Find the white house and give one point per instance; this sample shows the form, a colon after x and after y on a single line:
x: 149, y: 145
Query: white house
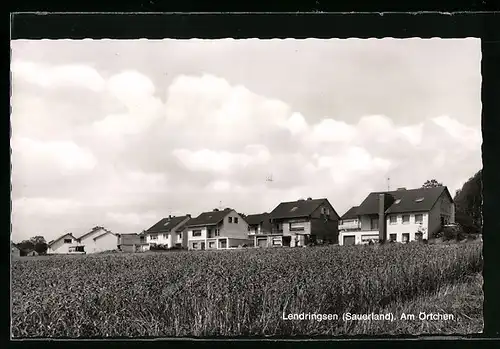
x: 217, y: 230
x: 99, y: 239
x: 168, y: 232
x: 62, y: 244
x: 400, y: 216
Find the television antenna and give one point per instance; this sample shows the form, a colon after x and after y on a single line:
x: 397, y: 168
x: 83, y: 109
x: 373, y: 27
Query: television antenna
x: 269, y: 178
x: 388, y: 183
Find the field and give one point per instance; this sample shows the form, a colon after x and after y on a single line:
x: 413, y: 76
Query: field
x: 247, y: 293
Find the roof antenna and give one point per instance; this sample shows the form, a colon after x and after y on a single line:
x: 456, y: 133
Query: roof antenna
x: 269, y: 178
x: 388, y: 183
x: 220, y: 205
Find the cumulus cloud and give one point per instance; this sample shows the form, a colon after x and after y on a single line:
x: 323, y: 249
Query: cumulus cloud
x: 155, y: 144
x: 66, y: 157
x: 76, y: 75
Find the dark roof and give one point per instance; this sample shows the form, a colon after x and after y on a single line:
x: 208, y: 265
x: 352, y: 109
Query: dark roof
x: 401, y: 201
x: 299, y: 208
x: 167, y: 224
x: 351, y: 213
x: 208, y: 218
x: 254, y: 219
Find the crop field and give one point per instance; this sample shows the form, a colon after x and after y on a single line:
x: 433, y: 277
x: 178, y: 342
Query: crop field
x: 247, y: 293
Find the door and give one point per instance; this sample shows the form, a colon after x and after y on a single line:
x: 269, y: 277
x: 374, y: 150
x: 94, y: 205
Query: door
x: 349, y: 240
x: 223, y: 243
x: 203, y: 245
x: 287, y: 240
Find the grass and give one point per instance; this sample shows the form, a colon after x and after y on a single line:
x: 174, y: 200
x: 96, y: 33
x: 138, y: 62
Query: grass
x: 243, y: 293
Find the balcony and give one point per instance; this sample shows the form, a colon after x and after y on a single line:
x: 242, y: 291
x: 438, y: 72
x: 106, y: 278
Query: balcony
x: 277, y: 231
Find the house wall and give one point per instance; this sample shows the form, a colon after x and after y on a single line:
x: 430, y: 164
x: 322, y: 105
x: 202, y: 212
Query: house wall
x: 328, y: 230
x: 197, y: 238
x: 366, y: 223
x: 166, y: 238
x: 15, y: 251
x: 59, y: 247
x: 410, y: 228
x: 288, y: 232
x: 443, y: 206
x: 349, y: 224
x: 359, y: 236
x: 234, y: 230
x: 107, y: 242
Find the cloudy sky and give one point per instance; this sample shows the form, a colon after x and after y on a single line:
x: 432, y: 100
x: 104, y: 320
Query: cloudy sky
x: 123, y: 133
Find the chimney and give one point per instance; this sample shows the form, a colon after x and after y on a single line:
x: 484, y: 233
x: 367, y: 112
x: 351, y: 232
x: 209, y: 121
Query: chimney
x: 216, y: 210
x: 188, y: 215
x: 382, y: 224
x: 402, y: 188
x: 169, y: 216
x: 309, y: 198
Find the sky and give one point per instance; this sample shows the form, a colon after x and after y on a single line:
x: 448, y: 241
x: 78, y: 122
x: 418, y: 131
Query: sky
x: 121, y: 133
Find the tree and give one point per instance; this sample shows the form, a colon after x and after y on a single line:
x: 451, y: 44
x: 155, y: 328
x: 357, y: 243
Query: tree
x: 469, y: 203
x: 36, y: 243
x: 39, y: 244
x: 431, y: 184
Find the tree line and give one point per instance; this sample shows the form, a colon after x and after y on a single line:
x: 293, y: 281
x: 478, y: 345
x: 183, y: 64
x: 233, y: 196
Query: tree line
x: 468, y: 203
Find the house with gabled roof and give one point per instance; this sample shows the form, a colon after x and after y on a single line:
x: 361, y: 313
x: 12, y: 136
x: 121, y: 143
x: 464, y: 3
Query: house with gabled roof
x: 217, y: 229
x: 168, y: 232
x: 132, y: 242
x: 98, y: 239
x: 259, y: 227
x: 350, y: 220
x: 298, y: 223
x: 402, y: 215
x: 62, y: 244
x: 14, y: 250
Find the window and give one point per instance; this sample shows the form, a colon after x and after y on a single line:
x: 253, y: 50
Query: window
x: 393, y: 237
x: 297, y: 226
x: 276, y: 242
x: 393, y: 219
x: 153, y: 237
x: 419, y: 218
x: 179, y: 236
x: 211, y: 244
x: 406, y: 237
x: 230, y: 219
x: 406, y: 218
x: 197, y: 232
x: 165, y: 236
x: 418, y: 236
x: 68, y: 241
x: 374, y: 223
x: 236, y: 220
x: 195, y: 245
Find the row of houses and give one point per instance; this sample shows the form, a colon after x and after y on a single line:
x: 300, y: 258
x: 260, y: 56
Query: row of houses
x: 400, y: 216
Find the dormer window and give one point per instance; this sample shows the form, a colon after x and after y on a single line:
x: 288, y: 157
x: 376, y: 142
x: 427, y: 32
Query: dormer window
x: 419, y: 200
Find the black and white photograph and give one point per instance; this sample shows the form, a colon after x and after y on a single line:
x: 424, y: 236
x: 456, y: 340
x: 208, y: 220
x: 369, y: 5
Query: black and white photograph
x: 246, y: 188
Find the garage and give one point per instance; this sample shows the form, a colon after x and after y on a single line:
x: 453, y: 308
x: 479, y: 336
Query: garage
x: 349, y: 240
x: 262, y: 242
